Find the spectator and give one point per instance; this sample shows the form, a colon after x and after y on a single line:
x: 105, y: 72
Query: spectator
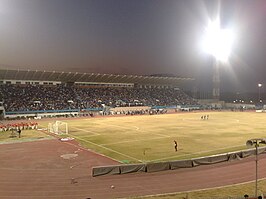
x: 41, y: 97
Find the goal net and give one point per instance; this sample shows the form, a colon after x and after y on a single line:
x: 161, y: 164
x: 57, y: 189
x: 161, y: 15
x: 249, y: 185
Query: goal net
x: 58, y: 127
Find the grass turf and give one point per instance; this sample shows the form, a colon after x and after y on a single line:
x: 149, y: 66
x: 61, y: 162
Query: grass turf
x: 147, y: 138
x: 26, y: 135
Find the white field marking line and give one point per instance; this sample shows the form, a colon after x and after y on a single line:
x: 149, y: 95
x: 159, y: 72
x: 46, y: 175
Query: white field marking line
x: 137, y: 128
x: 129, y: 141
x: 197, y: 190
x: 89, y: 136
x: 162, y: 135
x: 194, y: 153
x: 108, y: 149
x: 119, y: 126
x: 88, y: 131
x: 86, y: 149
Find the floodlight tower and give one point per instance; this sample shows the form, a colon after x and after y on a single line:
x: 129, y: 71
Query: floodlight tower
x: 217, y: 42
x: 259, y: 86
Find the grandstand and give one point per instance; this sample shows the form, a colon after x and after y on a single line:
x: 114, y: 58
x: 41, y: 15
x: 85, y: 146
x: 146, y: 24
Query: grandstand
x: 39, y: 92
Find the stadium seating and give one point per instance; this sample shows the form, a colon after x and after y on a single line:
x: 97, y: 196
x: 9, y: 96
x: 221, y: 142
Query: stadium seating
x: 40, y: 97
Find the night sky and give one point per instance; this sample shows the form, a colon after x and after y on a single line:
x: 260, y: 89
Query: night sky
x: 140, y: 37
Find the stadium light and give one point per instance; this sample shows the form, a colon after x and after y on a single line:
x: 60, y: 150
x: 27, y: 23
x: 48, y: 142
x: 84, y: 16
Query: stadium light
x: 259, y: 86
x: 256, y: 143
x: 218, y: 43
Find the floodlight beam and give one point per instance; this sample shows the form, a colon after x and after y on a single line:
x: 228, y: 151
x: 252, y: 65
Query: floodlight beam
x: 218, y: 42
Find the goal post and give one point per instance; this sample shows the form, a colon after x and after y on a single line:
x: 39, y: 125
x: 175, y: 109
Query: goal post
x: 58, y: 127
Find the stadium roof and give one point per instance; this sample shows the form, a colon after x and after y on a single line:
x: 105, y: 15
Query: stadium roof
x: 30, y: 75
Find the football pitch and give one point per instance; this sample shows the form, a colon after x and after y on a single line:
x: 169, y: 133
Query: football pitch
x: 150, y: 138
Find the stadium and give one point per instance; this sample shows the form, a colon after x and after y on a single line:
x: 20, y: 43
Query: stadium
x: 122, y: 99
x: 112, y: 136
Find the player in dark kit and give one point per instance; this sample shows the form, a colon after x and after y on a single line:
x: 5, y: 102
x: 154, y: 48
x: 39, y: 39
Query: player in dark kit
x: 176, y: 145
x: 19, y: 132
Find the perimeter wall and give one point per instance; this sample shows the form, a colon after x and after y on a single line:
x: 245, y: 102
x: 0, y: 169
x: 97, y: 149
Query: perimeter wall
x: 171, y: 165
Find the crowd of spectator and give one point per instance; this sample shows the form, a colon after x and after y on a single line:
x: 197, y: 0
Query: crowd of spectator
x: 61, y: 97
x: 18, y: 126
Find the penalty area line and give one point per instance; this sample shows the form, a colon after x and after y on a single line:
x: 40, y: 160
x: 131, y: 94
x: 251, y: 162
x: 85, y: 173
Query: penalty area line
x: 88, y: 131
x: 121, y: 127
x: 137, y: 128
x: 108, y: 149
x: 129, y: 141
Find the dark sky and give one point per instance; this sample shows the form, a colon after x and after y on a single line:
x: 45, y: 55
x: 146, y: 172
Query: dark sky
x: 140, y: 37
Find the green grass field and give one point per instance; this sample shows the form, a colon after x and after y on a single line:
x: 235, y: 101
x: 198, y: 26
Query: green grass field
x: 147, y: 138
x: 26, y: 135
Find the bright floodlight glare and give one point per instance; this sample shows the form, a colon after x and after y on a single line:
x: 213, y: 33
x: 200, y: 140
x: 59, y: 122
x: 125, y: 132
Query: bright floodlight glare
x: 259, y: 85
x: 218, y: 42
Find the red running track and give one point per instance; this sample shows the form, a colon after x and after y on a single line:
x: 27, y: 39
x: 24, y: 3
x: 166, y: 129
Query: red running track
x: 36, y: 170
